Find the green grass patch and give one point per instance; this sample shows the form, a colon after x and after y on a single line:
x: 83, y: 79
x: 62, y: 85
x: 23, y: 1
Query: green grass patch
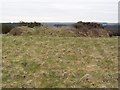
x: 49, y: 62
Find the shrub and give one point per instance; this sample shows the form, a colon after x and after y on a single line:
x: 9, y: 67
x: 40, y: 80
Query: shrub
x: 30, y: 24
x: 90, y: 29
x: 88, y: 25
x: 6, y: 27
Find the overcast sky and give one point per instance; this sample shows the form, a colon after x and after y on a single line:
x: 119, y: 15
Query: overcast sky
x: 59, y: 10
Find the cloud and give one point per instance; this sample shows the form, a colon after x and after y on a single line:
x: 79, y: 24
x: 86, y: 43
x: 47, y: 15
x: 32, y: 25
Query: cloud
x: 61, y: 10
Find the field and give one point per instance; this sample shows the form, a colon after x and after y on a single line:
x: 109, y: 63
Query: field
x: 33, y: 61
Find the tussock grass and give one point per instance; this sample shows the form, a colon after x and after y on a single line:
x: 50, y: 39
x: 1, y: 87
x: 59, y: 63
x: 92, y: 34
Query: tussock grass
x: 43, y: 31
x: 64, y: 62
x: 64, y: 31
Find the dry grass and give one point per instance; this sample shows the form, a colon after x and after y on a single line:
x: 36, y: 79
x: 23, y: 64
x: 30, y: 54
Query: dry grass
x: 63, y: 31
x: 0, y: 61
x: 43, y: 31
x: 49, y: 62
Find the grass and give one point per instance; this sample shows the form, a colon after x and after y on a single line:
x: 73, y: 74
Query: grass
x: 0, y: 61
x: 59, y: 62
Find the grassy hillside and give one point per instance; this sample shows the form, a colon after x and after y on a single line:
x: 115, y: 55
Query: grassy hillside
x: 35, y: 61
x: 0, y: 60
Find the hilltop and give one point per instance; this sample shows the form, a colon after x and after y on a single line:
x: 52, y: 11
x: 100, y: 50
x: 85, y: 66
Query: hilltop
x: 82, y: 55
x: 74, y: 30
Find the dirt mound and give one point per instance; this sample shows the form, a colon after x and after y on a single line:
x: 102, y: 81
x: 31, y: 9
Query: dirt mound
x: 90, y: 29
x: 20, y: 30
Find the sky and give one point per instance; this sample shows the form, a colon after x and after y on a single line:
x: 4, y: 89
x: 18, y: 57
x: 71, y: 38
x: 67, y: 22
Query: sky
x: 59, y: 10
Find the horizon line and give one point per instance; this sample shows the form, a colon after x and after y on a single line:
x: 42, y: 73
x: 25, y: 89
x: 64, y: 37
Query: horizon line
x: 56, y: 21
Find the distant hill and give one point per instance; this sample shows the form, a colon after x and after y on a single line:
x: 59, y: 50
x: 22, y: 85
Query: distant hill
x: 57, y: 23
x: 113, y: 27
